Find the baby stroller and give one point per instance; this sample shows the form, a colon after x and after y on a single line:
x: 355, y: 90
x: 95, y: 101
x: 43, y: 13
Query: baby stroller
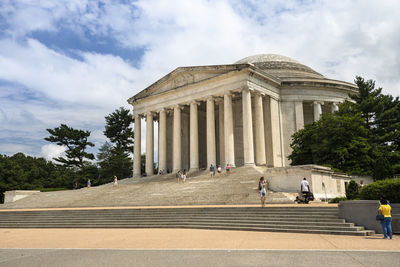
x: 304, y: 198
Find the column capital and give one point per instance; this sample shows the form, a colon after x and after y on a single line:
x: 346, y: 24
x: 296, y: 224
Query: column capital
x: 219, y: 100
x: 230, y: 93
x: 209, y: 98
x: 194, y: 102
x: 318, y: 102
x: 258, y: 93
x: 178, y: 106
x: 242, y: 89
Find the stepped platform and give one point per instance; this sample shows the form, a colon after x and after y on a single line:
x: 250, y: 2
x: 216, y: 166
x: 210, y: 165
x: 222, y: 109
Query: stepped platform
x: 225, y: 202
x: 295, y: 219
x: 239, y: 187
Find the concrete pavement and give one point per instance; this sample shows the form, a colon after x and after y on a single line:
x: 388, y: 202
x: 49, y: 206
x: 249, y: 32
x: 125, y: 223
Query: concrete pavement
x: 191, y: 247
x: 88, y: 258
x: 186, y: 239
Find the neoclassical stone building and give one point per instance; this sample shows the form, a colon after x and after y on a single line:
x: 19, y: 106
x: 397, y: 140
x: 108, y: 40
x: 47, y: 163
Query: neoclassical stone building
x: 241, y: 114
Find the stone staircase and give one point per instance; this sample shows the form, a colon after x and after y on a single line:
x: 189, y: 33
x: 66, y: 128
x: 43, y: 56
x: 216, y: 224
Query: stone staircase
x: 301, y: 219
x: 239, y: 187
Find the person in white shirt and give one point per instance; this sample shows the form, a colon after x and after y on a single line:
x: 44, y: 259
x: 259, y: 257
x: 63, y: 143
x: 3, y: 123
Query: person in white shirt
x: 263, y: 192
x: 305, y: 187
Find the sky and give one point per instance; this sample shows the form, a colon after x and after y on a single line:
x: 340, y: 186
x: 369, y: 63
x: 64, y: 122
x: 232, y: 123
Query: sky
x: 76, y: 61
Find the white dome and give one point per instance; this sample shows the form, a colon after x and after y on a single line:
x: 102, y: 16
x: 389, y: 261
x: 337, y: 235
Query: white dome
x: 280, y: 66
x: 266, y: 58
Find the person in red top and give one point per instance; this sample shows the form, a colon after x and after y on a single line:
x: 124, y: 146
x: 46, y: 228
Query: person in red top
x: 227, y: 168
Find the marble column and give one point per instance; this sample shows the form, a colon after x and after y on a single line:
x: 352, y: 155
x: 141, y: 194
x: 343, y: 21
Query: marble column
x: 334, y: 107
x: 299, y: 115
x: 194, y: 137
x: 149, y: 144
x: 137, y: 147
x: 259, y: 129
x: 221, y: 133
x: 248, y: 148
x: 162, y: 141
x: 317, y: 110
x: 176, y: 141
x: 228, y: 132
x: 211, y: 153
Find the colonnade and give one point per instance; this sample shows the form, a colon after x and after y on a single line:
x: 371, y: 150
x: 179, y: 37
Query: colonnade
x: 226, y: 134
x: 254, y: 144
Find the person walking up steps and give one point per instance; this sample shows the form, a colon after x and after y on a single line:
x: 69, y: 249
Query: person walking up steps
x: 178, y: 175
x: 115, y: 181
x: 212, y: 170
x: 184, y: 175
x: 227, y: 168
x: 263, y: 191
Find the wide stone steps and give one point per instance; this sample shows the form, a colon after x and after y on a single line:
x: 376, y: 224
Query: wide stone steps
x: 273, y: 219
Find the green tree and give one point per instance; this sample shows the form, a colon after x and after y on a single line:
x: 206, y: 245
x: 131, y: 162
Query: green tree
x: 115, y: 158
x: 382, y: 169
x: 20, y: 172
x: 381, y: 114
x: 118, y: 129
x: 76, y: 142
x: 352, y: 190
x: 368, y: 100
x: 113, y: 161
x: 337, y: 141
x: 363, y: 136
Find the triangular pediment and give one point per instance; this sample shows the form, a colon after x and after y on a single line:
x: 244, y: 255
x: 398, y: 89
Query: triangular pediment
x: 184, y: 76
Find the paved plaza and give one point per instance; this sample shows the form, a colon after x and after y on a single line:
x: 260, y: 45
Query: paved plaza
x: 190, y: 247
x: 180, y: 247
x: 86, y: 258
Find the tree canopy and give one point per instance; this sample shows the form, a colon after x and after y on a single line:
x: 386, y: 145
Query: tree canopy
x: 118, y: 129
x: 337, y: 141
x: 115, y: 158
x: 25, y: 172
x: 363, y: 137
x: 76, y: 142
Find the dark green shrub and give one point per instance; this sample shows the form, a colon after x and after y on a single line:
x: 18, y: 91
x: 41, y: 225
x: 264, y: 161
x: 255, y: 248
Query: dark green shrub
x: 352, y: 190
x: 337, y: 199
x: 382, y: 169
x: 388, y: 188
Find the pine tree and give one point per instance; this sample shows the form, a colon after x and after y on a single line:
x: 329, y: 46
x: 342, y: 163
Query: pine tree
x: 75, y: 141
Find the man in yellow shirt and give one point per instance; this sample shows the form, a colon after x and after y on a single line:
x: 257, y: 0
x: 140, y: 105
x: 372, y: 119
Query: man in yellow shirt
x: 386, y: 210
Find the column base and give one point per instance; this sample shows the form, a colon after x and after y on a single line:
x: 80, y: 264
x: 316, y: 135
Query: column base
x: 249, y: 164
x: 193, y: 169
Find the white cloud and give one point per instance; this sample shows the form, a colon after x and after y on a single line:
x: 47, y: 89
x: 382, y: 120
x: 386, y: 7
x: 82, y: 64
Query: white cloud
x: 340, y: 39
x: 98, y: 80
x: 51, y: 151
x: 12, y: 148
